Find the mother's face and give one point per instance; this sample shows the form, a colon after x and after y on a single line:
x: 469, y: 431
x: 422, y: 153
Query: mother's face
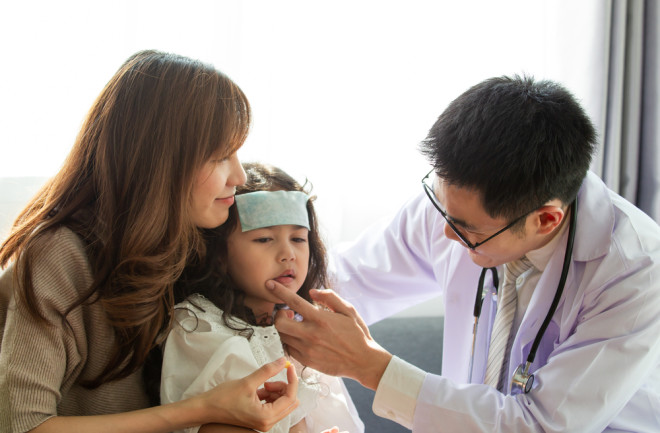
x: 214, y: 189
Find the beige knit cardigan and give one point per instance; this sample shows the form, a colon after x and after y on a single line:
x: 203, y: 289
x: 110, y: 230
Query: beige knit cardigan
x: 41, y: 365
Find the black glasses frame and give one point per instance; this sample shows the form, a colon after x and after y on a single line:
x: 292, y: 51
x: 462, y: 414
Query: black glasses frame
x: 470, y: 245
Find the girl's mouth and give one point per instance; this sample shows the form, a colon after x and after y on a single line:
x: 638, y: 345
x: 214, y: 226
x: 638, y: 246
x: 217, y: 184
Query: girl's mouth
x: 286, y: 278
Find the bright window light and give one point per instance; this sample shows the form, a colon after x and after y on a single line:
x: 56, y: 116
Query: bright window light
x: 342, y: 91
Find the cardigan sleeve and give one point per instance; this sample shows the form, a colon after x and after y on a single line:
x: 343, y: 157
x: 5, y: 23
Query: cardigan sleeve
x: 38, y: 360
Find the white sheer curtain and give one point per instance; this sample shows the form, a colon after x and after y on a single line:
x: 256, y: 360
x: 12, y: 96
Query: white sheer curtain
x: 342, y: 91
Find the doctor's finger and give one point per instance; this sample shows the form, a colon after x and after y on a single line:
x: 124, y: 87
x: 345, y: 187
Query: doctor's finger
x: 294, y: 333
x: 284, y: 313
x: 295, y: 302
x: 333, y: 301
x: 296, y: 354
x: 336, y: 303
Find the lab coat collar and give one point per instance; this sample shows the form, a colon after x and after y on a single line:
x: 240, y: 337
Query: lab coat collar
x: 595, y: 221
x: 595, y: 214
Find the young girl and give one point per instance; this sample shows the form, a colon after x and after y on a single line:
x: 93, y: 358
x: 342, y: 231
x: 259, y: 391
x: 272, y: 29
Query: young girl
x: 92, y: 260
x: 224, y: 327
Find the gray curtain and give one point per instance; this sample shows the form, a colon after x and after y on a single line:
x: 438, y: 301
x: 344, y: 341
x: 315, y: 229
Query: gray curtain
x: 629, y: 161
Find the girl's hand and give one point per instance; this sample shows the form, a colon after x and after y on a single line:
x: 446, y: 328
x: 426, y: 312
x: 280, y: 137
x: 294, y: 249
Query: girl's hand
x: 245, y: 403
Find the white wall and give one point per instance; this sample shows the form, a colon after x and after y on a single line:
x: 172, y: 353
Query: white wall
x: 14, y: 193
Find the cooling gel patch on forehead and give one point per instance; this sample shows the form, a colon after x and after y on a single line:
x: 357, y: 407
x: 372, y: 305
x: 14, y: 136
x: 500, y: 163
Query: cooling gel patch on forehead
x: 272, y: 208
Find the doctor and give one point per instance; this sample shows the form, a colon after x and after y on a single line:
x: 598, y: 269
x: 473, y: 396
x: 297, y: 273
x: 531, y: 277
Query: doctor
x: 509, y: 187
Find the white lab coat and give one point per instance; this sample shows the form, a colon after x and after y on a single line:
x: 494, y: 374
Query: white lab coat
x: 598, y: 366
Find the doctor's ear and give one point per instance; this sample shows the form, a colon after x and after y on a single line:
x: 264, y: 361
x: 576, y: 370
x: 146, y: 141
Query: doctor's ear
x: 549, y: 217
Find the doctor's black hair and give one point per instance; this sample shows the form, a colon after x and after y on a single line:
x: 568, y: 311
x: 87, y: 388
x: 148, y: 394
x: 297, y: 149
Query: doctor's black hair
x: 517, y: 141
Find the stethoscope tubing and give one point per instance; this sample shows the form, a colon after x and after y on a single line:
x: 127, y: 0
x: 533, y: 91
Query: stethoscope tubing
x: 551, y: 311
x: 478, y: 303
x: 560, y: 287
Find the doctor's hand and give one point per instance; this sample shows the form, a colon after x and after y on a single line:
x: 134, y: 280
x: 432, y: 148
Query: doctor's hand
x: 335, y: 341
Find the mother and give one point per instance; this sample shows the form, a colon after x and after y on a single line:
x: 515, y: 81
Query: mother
x: 91, y: 261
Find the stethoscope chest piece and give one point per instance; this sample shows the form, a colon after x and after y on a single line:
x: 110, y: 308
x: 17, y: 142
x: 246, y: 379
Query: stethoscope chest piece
x: 522, y: 381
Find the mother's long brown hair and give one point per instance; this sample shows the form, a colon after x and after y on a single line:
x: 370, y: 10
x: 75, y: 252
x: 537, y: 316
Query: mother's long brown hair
x: 125, y: 189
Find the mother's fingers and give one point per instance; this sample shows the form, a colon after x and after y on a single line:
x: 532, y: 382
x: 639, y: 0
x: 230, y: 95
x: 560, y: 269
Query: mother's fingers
x: 273, y: 390
x: 265, y: 372
x: 287, y: 400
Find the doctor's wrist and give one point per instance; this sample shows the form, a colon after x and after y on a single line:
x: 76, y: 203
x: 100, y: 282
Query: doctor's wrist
x: 374, y: 364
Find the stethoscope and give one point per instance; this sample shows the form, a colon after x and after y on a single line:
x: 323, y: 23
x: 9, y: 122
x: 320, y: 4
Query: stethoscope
x: 522, y: 380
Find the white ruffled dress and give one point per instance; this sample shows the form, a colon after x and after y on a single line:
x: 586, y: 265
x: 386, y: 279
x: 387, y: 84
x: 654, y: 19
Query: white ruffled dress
x: 201, y: 352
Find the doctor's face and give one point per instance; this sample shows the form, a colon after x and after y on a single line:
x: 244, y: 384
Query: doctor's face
x: 492, y: 242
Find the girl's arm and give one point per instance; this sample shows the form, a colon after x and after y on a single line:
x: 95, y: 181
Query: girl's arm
x: 237, y: 402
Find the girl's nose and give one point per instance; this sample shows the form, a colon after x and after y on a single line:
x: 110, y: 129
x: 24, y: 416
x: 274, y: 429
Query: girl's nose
x: 286, y: 253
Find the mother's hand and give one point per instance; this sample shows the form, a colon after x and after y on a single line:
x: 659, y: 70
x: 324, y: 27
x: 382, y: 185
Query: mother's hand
x: 243, y: 402
x: 335, y: 341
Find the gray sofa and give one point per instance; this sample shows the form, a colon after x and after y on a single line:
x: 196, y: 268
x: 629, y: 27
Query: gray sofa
x: 417, y: 340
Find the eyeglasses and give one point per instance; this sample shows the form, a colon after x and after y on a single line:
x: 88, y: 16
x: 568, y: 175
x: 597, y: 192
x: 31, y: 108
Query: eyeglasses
x: 429, y: 192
